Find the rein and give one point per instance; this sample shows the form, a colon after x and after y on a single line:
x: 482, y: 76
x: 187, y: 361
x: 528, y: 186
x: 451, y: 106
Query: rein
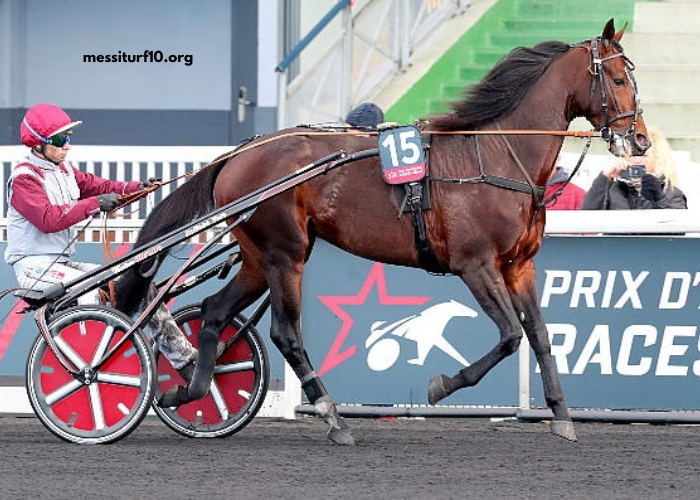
x: 352, y: 132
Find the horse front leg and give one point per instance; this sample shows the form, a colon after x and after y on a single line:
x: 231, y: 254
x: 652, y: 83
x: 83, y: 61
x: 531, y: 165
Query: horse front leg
x: 488, y: 287
x: 285, y: 331
x: 525, y: 299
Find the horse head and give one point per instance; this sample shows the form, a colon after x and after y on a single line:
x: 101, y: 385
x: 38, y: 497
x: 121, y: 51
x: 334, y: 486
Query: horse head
x: 611, y: 103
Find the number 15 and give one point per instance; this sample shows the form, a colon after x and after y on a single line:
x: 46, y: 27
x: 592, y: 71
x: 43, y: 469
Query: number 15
x: 409, y: 149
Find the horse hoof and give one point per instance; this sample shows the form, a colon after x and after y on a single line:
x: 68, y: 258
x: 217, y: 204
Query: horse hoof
x: 175, y: 396
x: 564, y: 428
x: 437, y: 389
x: 342, y: 437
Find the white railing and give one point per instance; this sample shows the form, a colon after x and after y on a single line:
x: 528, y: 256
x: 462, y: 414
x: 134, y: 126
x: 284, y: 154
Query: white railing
x: 122, y: 163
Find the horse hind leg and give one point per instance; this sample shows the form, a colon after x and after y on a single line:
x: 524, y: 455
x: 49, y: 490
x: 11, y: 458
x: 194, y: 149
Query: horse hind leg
x: 218, y: 310
x: 487, y: 286
x: 525, y: 300
x: 285, y: 331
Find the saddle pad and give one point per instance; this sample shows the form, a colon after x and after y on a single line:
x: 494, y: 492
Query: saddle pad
x: 401, y: 154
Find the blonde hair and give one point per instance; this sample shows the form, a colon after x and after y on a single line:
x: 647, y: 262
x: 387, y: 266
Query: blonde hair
x: 661, y: 158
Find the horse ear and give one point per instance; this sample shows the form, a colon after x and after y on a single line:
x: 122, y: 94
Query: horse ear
x: 618, y: 35
x: 608, y: 32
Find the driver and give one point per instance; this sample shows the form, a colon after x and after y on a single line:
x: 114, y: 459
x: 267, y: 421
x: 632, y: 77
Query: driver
x: 47, y: 196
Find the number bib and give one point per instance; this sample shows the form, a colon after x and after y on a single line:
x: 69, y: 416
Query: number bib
x: 401, y: 154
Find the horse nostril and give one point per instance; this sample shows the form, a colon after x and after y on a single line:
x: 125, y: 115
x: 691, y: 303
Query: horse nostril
x: 642, y: 141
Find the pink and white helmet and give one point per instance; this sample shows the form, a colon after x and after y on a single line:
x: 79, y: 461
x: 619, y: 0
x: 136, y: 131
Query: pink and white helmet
x: 43, y: 121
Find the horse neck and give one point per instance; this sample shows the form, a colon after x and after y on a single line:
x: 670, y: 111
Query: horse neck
x: 547, y: 107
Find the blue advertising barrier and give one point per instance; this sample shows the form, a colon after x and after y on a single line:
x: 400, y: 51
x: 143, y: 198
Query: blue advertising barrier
x: 622, y: 314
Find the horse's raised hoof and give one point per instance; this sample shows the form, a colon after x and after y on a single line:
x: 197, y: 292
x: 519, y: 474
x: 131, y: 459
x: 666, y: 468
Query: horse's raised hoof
x: 437, y: 389
x: 342, y: 437
x: 174, y: 397
x: 564, y: 428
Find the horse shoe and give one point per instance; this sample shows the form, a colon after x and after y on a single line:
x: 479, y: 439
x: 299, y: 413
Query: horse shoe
x: 437, y: 389
x: 564, y: 429
x: 338, y: 430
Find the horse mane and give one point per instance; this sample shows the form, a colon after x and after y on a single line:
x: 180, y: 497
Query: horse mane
x: 502, y: 89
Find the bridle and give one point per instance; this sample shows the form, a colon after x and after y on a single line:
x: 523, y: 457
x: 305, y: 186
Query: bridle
x: 599, y: 77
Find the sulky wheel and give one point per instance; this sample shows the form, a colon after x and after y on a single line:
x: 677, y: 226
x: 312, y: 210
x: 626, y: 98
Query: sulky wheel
x: 238, y: 390
x: 105, y: 404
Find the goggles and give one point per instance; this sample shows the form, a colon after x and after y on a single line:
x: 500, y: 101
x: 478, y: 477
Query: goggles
x: 58, y: 140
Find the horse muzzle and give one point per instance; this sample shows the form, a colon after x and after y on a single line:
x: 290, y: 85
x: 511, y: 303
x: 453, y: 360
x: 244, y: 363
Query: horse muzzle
x: 629, y: 143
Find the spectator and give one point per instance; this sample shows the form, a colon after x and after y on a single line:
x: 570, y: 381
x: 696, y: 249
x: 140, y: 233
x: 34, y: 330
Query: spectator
x: 570, y: 198
x: 655, y: 188
x: 366, y: 115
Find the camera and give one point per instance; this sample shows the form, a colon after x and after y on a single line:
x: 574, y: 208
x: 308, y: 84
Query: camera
x: 633, y: 172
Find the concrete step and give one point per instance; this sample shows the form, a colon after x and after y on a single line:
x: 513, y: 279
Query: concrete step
x: 486, y: 57
x: 558, y: 9
x: 676, y: 120
x: 667, y: 17
x: 472, y: 73
x: 668, y: 84
x: 654, y: 48
x: 508, y: 41
x: 578, y: 26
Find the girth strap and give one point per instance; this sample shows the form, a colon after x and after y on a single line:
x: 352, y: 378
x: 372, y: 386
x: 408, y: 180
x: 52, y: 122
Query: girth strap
x: 417, y: 199
x: 426, y: 256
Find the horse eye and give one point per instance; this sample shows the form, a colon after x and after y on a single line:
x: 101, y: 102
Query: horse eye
x: 619, y: 81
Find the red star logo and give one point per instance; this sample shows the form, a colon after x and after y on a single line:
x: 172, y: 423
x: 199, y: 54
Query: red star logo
x: 336, y: 354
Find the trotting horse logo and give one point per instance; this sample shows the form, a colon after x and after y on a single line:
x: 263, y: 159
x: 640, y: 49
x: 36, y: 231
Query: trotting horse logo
x: 385, y: 340
x: 425, y: 329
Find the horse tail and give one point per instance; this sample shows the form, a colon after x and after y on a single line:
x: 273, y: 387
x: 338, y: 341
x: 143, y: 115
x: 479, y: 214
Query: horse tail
x: 193, y: 199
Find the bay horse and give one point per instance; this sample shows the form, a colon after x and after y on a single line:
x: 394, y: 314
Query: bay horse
x: 485, y: 232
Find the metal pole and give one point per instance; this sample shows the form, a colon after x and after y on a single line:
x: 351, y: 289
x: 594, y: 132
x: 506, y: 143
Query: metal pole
x: 346, y: 80
x: 281, y: 99
x: 524, y: 374
x: 405, y: 17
